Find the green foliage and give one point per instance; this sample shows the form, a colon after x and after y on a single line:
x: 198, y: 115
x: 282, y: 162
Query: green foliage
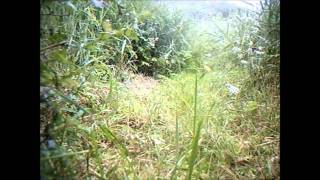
x: 196, y: 132
x: 268, y: 74
x: 194, y: 151
x: 94, y: 123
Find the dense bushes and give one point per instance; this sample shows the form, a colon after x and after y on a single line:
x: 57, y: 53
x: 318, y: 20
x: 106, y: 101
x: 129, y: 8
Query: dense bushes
x: 84, y: 43
x: 133, y: 35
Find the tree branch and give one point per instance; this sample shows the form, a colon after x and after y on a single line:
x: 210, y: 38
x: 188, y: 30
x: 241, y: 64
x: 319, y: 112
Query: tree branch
x: 53, y: 45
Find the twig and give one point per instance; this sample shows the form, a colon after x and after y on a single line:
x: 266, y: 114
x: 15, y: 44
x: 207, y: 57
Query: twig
x: 49, y: 14
x: 53, y: 45
x: 270, y: 142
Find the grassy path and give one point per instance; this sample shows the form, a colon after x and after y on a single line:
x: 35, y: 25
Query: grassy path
x: 144, y: 128
x: 186, y: 126
x: 152, y: 121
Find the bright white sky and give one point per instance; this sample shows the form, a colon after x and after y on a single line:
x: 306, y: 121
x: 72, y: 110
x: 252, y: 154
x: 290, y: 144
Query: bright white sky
x: 247, y: 4
x: 203, y: 5
x: 202, y: 8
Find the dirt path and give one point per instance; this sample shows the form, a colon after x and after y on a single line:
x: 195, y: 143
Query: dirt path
x: 141, y: 85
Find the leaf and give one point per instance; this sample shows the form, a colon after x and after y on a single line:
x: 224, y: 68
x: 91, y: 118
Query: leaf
x: 87, y: 61
x: 123, y: 46
x: 47, y: 77
x: 194, y: 152
x: 92, y: 16
x: 145, y: 63
x: 107, y: 26
x: 45, y: 68
x: 72, y: 73
x: 55, y: 38
x: 69, y: 3
x: 207, y: 68
x: 120, y: 32
x: 57, y: 92
x: 110, y: 136
x: 103, y: 37
x: 252, y: 105
x: 60, y: 56
x: 91, y: 47
x: 145, y: 15
x: 167, y: 54
x: 69, y: 83
x: 131, y: 34
x: 79, y: 113
x: 187, y: 54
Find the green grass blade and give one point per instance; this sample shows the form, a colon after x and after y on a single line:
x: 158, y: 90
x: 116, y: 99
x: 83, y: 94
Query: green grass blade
x: 195, y: 104
x: 109, y: 135
x: 194, y: 151
x: 196, y: 133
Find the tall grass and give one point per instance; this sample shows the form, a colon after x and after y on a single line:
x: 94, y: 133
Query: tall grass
x: 195, y: 104
x: 196, y: 132
x: 94, y: 125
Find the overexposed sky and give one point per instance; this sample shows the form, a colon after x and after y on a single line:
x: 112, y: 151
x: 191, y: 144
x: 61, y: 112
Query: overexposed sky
x: 211, y: 4
x: 246, y: 4
x: 202, y: 10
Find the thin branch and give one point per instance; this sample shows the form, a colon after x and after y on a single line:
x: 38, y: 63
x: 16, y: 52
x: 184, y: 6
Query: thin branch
x: 266, y: 143
x: 54, y: 45
x: 49, y: 14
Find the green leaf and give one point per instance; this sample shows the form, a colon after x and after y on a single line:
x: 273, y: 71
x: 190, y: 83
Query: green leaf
x: 47, y: 77
x: 69, y: 83
x: 194, y: 152
x: 91, y: 47
x: 79, y: 113
x: 119, y: 33
x: 252, y: 105
x: 207, y: 68
x: 107, y: 26
x: 87, y: 61
x: 45, y: 68
x: 67, y: 99
x: 145, y: 15
x: 103, y: 36
x: 110, y: 136
x: 123, y: 46
x: 145, y: 63
x: 60, y: 56
x: 73, y: 72
x: 57, y: 38
x: 131, y: 34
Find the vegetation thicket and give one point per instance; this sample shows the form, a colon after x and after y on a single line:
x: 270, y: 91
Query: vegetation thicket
x: 134, y: 90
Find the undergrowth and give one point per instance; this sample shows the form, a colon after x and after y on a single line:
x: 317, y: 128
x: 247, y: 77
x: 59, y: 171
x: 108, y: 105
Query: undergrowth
x: 129, y: 93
